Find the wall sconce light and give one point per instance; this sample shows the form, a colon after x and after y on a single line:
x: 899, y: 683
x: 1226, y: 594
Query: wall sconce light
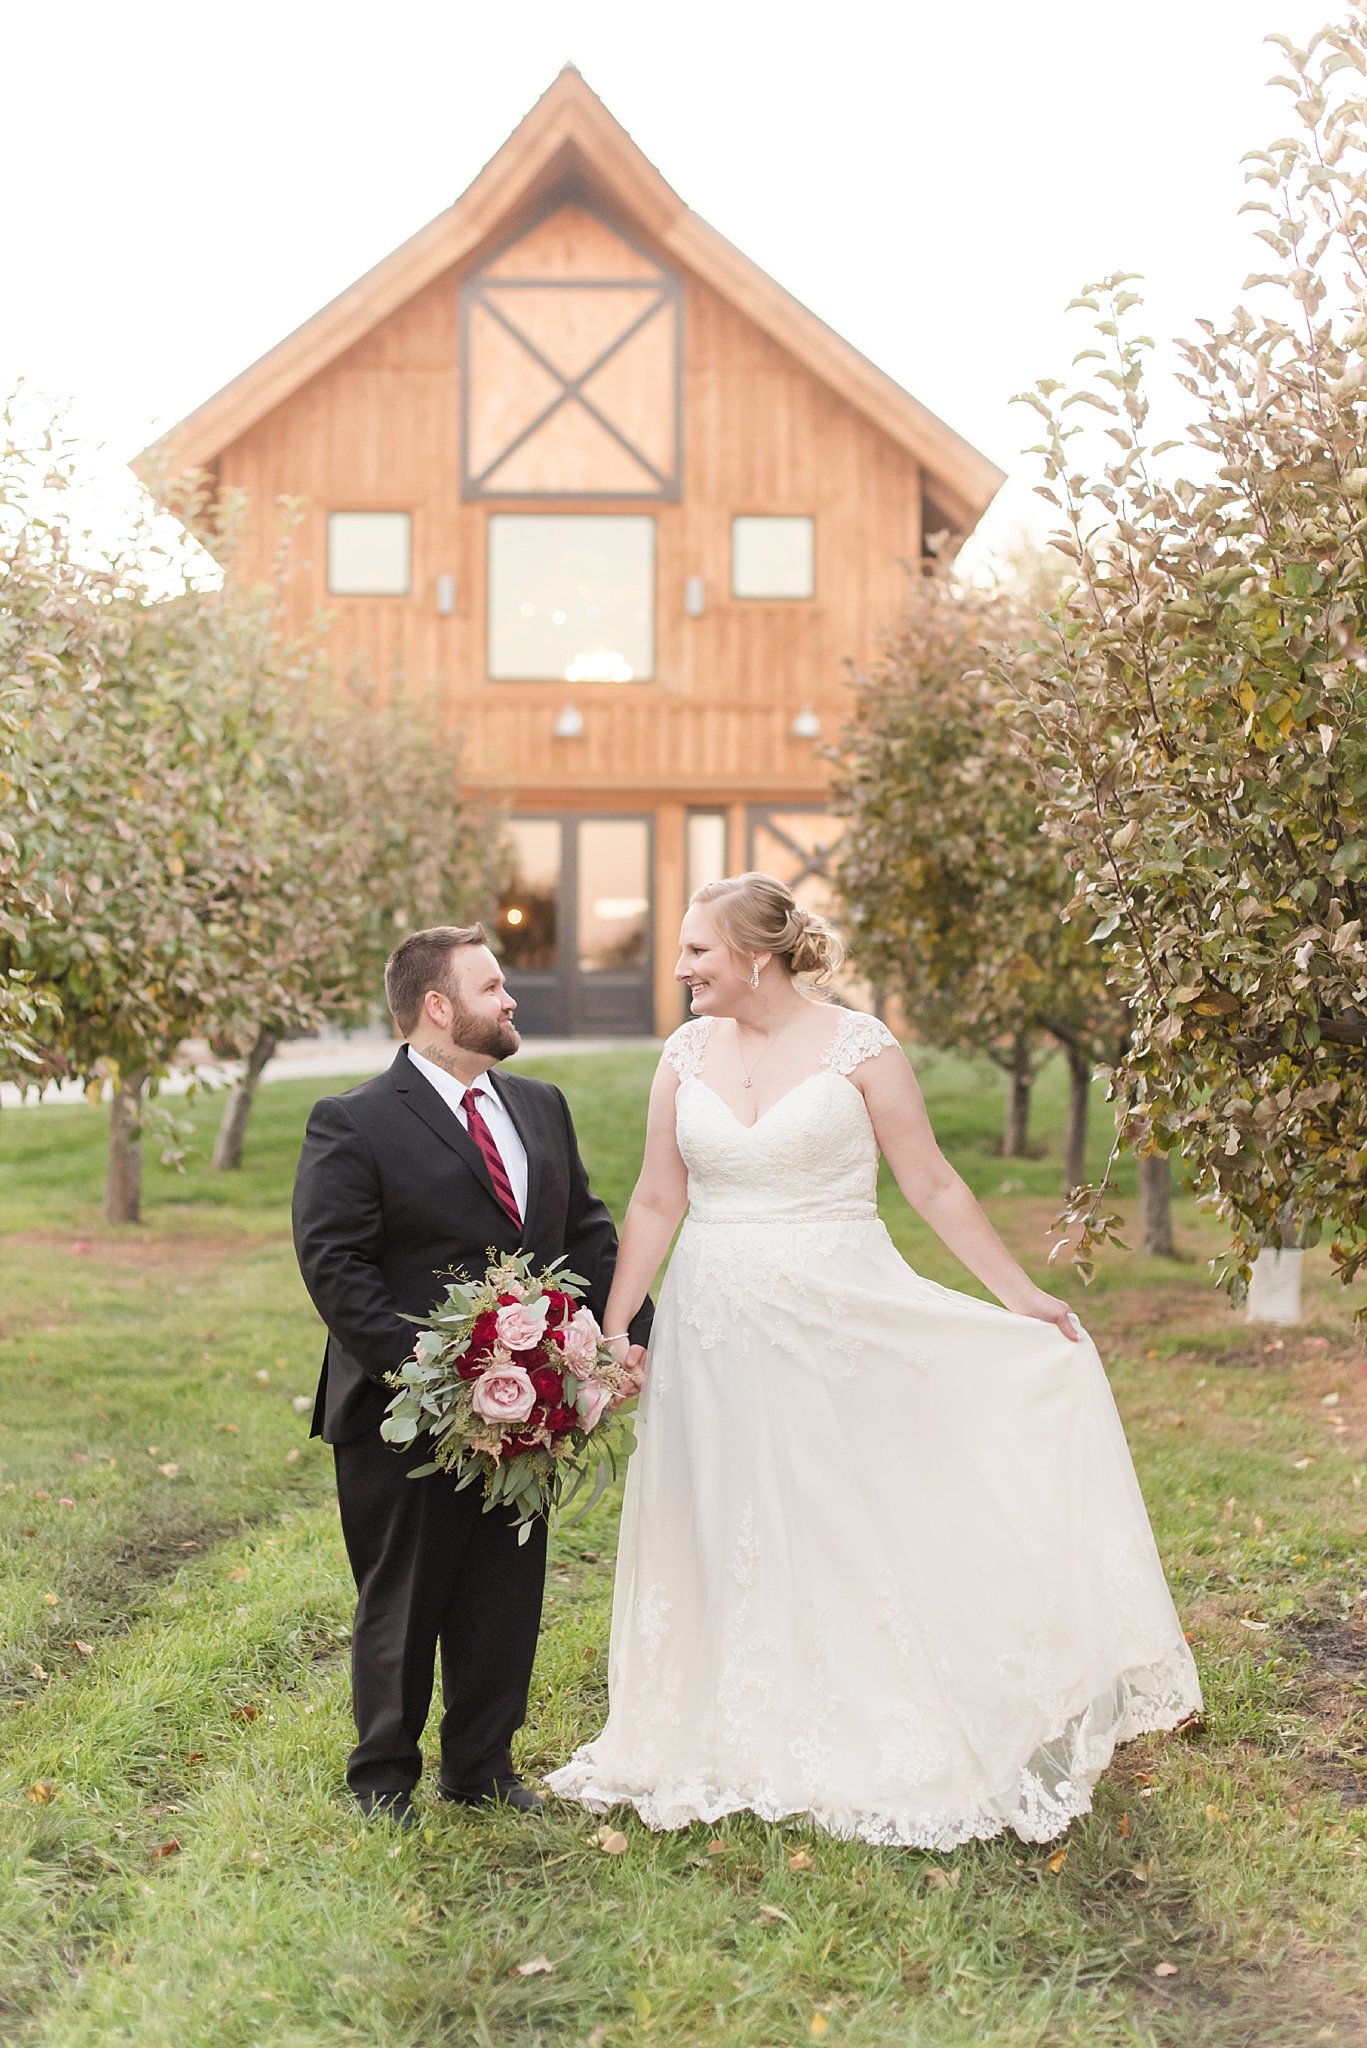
x: 446, y: 595
x: 695, y: 596
x: 806, y: 726
x: 570, y: 724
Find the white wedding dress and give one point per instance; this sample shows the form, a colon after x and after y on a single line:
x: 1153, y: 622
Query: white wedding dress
x: 884, y: 1561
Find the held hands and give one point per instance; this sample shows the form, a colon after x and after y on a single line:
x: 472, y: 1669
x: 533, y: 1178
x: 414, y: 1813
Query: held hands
x: 635, y: 1359
x: 1047, y: 1308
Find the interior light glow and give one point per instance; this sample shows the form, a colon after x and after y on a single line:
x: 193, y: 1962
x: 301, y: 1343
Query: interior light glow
x: 602, y: 665
x: 513, y: 916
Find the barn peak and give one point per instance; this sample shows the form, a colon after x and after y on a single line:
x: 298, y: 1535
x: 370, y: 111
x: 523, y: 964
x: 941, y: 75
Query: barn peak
x: 570, y: 142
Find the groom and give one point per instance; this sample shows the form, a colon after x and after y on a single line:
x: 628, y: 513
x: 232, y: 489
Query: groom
x: 421, y: 1170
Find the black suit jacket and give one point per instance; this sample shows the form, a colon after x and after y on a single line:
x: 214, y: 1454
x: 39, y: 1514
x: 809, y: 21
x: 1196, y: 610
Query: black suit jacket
x: 391, y: 1194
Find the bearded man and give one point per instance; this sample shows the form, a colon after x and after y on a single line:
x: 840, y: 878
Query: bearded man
x: 401, y: 1181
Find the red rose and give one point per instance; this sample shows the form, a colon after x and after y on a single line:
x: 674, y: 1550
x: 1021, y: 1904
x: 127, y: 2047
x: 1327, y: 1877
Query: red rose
x: 561, y: 1305
x: 560, y: 1421
x: 516, y: 1446
x: 548, y: 1383
x: 484, y: 1335
x: 508, y: 1300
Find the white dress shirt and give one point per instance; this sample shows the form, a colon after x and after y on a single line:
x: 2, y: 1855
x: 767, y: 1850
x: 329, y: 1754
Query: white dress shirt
x: 503, y: 1130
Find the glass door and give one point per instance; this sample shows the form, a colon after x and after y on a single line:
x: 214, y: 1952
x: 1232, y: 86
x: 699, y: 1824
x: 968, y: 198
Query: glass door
x: 612, y: 991
x: 528, y: 935
x: 575, y: 927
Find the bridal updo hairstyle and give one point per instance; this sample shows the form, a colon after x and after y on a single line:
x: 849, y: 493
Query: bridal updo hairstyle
x: 756, y: 913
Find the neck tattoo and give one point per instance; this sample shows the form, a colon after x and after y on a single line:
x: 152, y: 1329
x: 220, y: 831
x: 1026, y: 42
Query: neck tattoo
x: 440, y: 1056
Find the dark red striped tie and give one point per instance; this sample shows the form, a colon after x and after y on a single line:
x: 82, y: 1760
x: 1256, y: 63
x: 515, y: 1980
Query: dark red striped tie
x: 484, y: 1138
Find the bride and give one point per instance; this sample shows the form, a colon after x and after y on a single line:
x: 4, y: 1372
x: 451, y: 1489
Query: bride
x: 884, y: 1561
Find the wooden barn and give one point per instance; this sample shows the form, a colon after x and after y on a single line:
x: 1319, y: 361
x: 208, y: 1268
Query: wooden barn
x: 573, y: 460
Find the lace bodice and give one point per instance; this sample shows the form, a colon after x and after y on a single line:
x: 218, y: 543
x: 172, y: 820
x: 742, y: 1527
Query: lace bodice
x: 812, y: 1155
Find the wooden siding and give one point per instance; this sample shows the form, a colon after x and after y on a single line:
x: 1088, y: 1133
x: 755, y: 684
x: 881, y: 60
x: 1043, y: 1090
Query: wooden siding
x: 379, y: 429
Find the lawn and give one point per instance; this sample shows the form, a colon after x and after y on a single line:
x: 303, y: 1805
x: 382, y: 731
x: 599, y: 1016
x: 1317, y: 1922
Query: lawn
x: 182, y: 1868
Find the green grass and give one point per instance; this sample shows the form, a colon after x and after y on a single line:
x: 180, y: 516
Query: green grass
x: 174, y: 1609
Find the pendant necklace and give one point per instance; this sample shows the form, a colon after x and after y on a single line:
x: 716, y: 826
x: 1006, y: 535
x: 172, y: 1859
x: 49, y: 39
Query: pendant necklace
x: 750, y: 1072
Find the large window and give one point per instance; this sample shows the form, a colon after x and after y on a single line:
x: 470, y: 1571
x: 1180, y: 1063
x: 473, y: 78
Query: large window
x: 773, y: 557
x: 704, y: 849
x: 571, y: 598
x: 369, y: 554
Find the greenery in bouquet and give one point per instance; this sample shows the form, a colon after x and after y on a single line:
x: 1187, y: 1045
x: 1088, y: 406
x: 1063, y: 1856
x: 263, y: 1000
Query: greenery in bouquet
x: 514, y: 1383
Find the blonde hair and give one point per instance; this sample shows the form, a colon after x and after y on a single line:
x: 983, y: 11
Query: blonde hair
x: 756, y: 913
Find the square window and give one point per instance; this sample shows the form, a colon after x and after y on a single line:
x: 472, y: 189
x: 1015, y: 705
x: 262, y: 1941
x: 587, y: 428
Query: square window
x: 571, y: 597
x: 369, y: 554
x: 773, y: 557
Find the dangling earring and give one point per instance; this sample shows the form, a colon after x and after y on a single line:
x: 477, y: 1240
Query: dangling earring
x: 754, y: 974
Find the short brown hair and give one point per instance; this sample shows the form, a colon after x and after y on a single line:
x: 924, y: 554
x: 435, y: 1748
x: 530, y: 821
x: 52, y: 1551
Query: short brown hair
x: 421, y: 963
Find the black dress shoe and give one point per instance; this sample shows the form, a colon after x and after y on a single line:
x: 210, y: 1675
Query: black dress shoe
x: 396, y: 1807
x: 500, y: 1792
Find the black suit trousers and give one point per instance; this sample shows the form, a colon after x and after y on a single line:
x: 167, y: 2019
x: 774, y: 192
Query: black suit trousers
x: 433, y: 1571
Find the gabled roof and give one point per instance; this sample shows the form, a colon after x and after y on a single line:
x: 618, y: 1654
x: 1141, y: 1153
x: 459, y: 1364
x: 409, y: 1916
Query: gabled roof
x: 568, y: 133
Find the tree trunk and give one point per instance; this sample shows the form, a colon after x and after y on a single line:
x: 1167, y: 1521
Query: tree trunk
x: 232, y: 1131
x: 123, y: 1182
x: 1155, y: 1205
x: 1075, y: 1141
x: 1019, y: 1075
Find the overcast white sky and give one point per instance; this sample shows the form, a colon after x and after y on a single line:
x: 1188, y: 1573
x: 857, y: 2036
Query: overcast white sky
x: 185, y: 182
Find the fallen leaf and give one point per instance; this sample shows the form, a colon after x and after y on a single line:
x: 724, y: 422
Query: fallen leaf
x: 42, y: 1793
x: 246, y: 1713
x: 238, y: 1573
x: 769, y: 1914
x: 537, y: 1967
x: 1216, y: 1813
x: 818, y: 2025
x: 1257, y: 1626
x: 49, y: 1599
x: 716, y: 1847
x: 597, y: 2037
x: 169, y: 1848
x: 1124, y: 1827
x: 83, y: 1649
x: 302, y: 1404
x: 228, y: 1428
x: 169, y: 1471
x: 1301, y: 1464
x: 1140, y: 1873
x: 941, y: 1880
x: 292, y: 1456
x: 1057, y: 1861
x: 1165, y: 1969
x: 39, y: 1671
x: 611, y: 1841
x: 640, y: 2005
x: 191, y: 1545
x: 800, y: 1860
x: 263, y: 1376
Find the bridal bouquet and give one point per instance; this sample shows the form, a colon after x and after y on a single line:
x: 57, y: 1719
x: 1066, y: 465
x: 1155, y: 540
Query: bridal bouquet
x: 512, y: 1379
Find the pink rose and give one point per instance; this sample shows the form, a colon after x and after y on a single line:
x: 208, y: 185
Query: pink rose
x: 593, y: 1399
x: 521, y: 1327
x: 579, y: 1341
x: 504, y: 1394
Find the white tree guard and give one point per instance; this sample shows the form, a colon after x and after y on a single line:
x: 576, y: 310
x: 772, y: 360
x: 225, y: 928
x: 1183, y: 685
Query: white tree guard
x: 1274, y: 1290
